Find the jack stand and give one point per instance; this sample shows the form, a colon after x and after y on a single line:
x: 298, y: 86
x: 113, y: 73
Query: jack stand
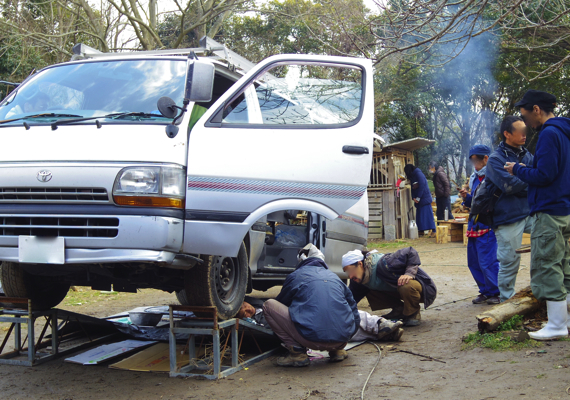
x: 212, y: 327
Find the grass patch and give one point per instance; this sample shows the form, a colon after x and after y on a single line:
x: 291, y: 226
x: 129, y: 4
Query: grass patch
x: 85, y: 295
x: 515, y: 322
x: 397, y: 244
x: 497, y: 341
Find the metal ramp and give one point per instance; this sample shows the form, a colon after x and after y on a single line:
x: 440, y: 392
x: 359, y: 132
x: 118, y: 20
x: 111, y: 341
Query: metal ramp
x: 18, y: 311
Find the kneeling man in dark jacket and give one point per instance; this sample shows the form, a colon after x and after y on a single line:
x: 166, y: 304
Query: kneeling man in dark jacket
x: 314, y: 309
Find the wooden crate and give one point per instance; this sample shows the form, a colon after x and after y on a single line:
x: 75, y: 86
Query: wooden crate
x: 455, y: 230
x: 526, y: 238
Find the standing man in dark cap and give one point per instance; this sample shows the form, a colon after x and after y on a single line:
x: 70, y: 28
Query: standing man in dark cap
x: 482, y: 244
x: 511, y: 212
x: 549, y: 200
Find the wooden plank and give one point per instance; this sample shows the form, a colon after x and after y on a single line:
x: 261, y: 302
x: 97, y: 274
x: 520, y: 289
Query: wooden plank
x: 375, y: 218
x: 376, y: 229
x: 375, y: 236
x: 374, y: 223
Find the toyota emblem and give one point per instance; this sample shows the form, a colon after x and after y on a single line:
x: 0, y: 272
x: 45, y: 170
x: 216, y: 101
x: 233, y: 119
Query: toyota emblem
x: 44, y: 176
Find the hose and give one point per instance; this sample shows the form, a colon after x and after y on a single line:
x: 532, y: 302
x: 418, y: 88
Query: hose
x: 372, y: 371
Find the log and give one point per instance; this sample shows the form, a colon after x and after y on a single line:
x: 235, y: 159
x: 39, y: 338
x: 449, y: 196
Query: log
x: 522, y: 303
x: 465, y: 238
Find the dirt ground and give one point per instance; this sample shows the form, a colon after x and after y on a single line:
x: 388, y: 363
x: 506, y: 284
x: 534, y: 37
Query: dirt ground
x: 459, y: 374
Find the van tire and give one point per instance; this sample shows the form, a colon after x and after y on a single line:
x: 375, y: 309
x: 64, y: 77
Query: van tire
x: 219, y: 282
x: 45, y: 292
x: 181, y: 297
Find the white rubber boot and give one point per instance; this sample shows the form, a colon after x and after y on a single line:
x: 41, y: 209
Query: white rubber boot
x: 556, y: 327
x: 568, y: 307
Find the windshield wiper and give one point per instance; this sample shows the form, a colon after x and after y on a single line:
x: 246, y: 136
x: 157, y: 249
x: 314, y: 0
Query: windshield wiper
x: 45, y: 115
x: 110, y: 116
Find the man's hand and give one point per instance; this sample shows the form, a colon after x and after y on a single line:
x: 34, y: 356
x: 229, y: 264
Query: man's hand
x: 416, y: 201
x: 403, y: 279
x: 463, y: 193
x: 509, y: 167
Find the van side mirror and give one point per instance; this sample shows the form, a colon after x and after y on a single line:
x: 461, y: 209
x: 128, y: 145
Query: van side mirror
x: 199, y: 81
x: 199, y: 88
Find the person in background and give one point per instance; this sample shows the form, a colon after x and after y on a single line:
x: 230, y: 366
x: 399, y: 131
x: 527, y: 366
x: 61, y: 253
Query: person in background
x: 314, y: 310
x: 482, y: 244
x: 393, y: 280
x: 422, y: 199
x: 549, y: 200
x: 442, y: 191
x: 511, y: 212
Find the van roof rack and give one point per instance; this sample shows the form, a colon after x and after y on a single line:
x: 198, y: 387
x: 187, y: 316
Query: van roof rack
x: 208, y: 48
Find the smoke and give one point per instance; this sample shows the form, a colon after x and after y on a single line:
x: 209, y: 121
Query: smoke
x: 468, y: 93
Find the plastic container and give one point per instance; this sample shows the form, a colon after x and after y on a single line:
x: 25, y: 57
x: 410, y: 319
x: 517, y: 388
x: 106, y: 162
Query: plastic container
x: 413, y: 229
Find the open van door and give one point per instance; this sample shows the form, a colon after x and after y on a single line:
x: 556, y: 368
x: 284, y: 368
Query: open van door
x: 296, y: 132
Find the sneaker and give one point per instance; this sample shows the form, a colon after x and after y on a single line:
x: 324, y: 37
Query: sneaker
x: 337, y: 355
x: 394, y: 336
x: 386, y: 327
x: 412, y: 320
x: 493, y: 300
x: 297, y: 357
x: 395, y: 314
x: 480, y: 299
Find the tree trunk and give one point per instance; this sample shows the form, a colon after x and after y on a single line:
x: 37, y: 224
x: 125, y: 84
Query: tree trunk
x: 522, y: 303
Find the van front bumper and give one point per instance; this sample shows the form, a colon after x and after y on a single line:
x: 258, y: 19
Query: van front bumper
x: 97, y: 237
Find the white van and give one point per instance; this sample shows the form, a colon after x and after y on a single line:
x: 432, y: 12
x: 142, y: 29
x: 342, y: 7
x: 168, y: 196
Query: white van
x: 203, y: 176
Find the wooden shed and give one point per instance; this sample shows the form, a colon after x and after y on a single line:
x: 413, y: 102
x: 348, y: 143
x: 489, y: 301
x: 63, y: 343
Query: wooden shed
x: 389, y: 208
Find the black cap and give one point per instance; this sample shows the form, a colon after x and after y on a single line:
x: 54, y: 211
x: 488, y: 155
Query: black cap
x: 538, y: 98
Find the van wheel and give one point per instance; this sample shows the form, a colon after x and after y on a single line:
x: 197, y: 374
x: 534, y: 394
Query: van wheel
x: 44, y: 291
x: 220, y: 282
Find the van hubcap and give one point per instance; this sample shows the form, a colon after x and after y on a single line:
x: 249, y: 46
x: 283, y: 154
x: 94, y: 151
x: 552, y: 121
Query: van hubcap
x: 227, y: 271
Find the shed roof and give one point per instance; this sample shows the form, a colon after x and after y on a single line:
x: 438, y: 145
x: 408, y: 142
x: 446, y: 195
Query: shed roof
x: 408, y: 144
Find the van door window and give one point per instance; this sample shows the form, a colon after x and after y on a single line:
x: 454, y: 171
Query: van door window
x: 301, y: 94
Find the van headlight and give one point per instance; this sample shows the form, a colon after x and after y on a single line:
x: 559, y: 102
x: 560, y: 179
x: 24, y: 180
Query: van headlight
x: 163, y: 186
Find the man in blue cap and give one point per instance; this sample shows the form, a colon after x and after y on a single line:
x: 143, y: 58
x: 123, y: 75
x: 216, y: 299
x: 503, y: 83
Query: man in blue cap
x: 549, y: 200
x: 482, y: 244
x: 511, y: 212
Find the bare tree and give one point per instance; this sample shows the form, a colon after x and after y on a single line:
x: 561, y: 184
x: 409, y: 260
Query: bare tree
x: 193, y: 16
x: 434, y: 32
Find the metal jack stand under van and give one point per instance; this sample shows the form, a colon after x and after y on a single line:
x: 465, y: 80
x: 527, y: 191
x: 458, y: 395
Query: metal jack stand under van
x: 212, y: 365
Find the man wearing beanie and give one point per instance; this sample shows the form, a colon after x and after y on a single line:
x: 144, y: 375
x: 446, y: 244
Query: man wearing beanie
x: 314, y: 310
x: 393, y: 280
x: 549, y: 201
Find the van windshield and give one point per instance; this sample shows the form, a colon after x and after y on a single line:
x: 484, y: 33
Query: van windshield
x: 91, y: 89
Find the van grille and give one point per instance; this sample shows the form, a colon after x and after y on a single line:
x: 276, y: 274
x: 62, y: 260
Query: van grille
x: 59, y: 226
x: 53, y: 195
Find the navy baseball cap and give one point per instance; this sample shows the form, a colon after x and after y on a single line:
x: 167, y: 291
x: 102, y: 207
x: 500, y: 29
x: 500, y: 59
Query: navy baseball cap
x: 537, y: 97
x: 479, y: 150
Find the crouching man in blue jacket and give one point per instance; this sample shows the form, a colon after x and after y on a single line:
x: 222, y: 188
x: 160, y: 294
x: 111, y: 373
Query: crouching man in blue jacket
x: 314, y: 310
